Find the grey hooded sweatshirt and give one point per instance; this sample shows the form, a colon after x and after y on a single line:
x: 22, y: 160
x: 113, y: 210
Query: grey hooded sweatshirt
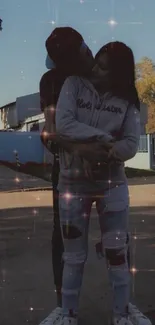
x: 84, y: 114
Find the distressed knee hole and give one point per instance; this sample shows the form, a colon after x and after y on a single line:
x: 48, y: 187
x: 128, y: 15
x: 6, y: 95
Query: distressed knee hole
x: 71, y: 232
x: 115, y: 257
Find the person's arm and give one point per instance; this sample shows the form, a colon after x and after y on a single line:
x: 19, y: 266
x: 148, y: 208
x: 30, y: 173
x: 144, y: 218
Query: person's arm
x: 92, y: 150
x: 48, y: 90
x: 127, y: 147
x: 66, y: 116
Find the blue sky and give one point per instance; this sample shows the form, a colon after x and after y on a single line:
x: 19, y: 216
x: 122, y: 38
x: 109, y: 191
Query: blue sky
x: 26, y: 25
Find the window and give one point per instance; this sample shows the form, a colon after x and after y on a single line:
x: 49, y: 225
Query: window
x: 33, y: 126
x: 143, y: 144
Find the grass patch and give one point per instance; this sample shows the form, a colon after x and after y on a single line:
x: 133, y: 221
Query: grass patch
x: 135, y: 172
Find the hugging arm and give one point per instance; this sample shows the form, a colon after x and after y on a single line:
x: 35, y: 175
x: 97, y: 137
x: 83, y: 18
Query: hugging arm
x: 74, y: 135
x: 66, y: 116
x: 127, y: 147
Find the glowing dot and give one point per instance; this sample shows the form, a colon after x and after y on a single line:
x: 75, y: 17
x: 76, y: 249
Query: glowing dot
x: 35, y: 211
x: 112, y: 22
x: 67, y: 196
x: 142, y: 220
x: 96, y: 9
x: 52, y: 22
x: 52, y: 109
x: 17, y: 180
x: 133, y: 270
x: 28, y: 238
x: 38, y: 198
x: 45, y: 134
x: 30, y: 137
x: 135, y: 237
x: 81, y: 1
x: 31, y: 308
x: 109, y: 181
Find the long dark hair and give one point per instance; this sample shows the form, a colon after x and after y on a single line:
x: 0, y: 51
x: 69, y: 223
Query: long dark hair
x: 122, y: 71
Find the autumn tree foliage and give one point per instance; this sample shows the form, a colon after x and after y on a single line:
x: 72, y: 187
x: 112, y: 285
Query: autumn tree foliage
x: 145, y: 83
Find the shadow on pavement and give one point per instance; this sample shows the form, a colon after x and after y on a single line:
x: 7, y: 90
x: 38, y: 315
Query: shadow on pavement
x: 26, y: 282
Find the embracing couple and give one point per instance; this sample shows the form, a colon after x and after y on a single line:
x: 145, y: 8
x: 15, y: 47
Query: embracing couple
x: 92, y: 114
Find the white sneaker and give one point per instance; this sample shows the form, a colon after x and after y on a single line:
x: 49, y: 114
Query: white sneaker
x: 55, y: 318
x: 69, y: 321
x: 136, y: 317
x: 118, y: 320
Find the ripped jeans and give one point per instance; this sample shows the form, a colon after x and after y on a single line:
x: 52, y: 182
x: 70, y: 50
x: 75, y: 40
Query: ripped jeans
x: 112, y: 210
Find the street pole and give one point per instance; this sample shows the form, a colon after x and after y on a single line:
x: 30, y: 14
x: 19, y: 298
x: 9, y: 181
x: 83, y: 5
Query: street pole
x: 1, y: 24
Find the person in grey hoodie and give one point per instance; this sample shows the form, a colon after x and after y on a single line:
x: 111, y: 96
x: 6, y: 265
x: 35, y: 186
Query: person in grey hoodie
x: 103, y: 108
x: 67, y: 55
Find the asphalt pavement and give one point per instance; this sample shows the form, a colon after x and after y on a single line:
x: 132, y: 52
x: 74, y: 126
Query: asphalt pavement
x: 26, y: 281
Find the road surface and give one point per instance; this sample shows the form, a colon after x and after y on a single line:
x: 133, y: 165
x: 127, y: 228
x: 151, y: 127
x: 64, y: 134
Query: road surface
x: 26, y: 282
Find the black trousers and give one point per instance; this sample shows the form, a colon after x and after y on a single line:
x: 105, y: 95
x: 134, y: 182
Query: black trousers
x: 57, y: 243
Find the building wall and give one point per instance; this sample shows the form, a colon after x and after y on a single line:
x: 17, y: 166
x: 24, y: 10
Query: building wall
x: 142, y: 160
x: 152, y: 151
x: 47, y: 156
x: 28, y: 106
x: 31, y: 120
x: 8, y: 117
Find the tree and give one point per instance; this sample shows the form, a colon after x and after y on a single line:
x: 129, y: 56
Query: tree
x: 145, y: 82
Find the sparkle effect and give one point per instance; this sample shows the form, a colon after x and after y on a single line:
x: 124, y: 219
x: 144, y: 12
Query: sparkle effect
x: 17, y: 180
x: 53, y: 21
x: 67, y: 196
x: 112, y: 22
x: 31, y: 309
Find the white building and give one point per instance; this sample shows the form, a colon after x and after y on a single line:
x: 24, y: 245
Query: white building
x: 14, y: 114
x: 24, y: 116
x: 8, y: 117
x: 27, y: 106
x: 145, y: 157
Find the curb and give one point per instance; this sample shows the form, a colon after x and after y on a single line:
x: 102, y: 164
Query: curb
x: 33, y: 189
